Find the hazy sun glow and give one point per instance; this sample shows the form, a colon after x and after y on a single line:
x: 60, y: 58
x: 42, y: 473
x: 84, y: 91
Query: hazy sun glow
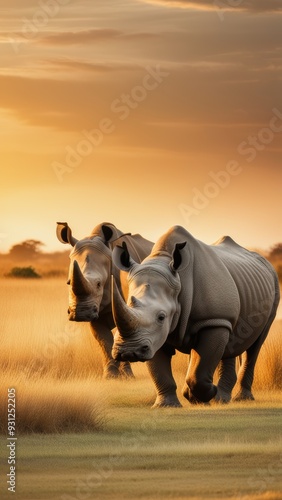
x: 133, y: 114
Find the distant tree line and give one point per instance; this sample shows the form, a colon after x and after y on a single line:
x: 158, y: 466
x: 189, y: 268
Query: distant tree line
x: 31, y: 250
x: 27, y: 250
x: 28, y: 260
x: 275, y: 257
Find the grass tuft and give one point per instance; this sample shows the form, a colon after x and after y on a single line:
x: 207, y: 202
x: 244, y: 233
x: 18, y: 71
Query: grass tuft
x: 45, y: 405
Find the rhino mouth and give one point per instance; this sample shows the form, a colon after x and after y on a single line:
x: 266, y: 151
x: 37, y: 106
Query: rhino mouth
x: 79, y: 316
x: 140, y: 353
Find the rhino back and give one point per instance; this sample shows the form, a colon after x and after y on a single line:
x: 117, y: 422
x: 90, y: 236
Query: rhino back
x: 139, y: 247
x: 258, y: 289
x: 226, y: 285
x: 208, y: 292
x: 254, y: 276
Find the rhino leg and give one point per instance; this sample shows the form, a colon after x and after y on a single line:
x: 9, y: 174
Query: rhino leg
x: 103, y: 334
x: 227, y: 380
x: 204, y: 358
x: 160, y: 370
x: 246, y: 371
x: 111, y: 369
x: 125, y: 369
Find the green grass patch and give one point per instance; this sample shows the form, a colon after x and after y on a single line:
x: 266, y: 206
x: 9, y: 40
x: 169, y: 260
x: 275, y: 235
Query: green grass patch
x: 173, y: 453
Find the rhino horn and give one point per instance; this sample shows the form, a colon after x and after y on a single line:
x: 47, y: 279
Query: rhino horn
x: 80, y: 285
x: 125, y: 317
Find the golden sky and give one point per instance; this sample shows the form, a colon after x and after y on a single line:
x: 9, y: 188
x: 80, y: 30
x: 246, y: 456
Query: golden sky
x: 141, y: 113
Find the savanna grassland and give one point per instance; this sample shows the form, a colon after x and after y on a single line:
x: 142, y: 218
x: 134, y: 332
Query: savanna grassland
x: 81, y: 437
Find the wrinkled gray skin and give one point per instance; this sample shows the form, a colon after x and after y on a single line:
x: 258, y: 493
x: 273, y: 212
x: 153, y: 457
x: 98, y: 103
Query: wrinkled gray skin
x: 213, y: 302
x: 90, y: 283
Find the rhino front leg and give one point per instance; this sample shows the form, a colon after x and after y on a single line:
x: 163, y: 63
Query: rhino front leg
x: 204, y: 358
x: 160, y: 370
x: 227, y: 380
x: 125, y: 369
x: 111, y: 368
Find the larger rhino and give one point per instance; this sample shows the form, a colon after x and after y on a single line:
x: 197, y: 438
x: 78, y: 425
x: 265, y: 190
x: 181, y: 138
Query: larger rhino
x: 90, y: 283
x: 211, y: 301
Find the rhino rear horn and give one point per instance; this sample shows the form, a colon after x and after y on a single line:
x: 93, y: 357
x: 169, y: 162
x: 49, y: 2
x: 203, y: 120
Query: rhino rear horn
x: 79, y: 283
x: 125, y: 317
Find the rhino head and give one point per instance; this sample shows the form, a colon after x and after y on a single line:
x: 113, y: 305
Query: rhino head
x: 152, y: 309
x: 89, y: 271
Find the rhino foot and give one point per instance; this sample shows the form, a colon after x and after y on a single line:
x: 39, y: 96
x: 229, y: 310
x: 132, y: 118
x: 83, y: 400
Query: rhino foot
x: 115, y: 369
x: 187, y: 393
x: 111, y: 370
x: 222, y: 396
x: 243, y: 395
x: 194, y: 401
x: 167, y: 402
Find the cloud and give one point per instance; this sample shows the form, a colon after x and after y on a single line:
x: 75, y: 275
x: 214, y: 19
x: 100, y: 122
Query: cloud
x: 198, y: 103
x: 183, y: 4
x: 89, y: 67
x: 83, y: 36
x: 230, y: 5
x: 91, y: 36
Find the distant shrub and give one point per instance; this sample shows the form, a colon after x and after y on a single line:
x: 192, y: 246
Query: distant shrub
x: 23, y: 272
x: 275, y: 252
x: 54, y: 273
x: 279, y: 272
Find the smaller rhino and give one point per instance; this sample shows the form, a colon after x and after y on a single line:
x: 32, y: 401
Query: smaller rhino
x: 90, y: 283
x: 213, y: 302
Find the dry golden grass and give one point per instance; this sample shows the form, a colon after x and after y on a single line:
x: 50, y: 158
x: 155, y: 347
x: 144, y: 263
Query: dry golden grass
x: 52, y: 406
x: 36, y: 335
x: 47, y: 360
x: 268, y: 373
x: 79, y: 435
x: 56, y: 368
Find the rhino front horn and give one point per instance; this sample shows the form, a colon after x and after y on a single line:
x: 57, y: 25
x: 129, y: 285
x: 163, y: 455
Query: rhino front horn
x: 125, y: 318
x: 79, y: 283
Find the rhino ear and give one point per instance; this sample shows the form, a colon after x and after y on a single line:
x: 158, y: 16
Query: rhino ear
x: 121, y: 257
x: 107, y: 232
x: 179, y: 259
x: 64, y: 234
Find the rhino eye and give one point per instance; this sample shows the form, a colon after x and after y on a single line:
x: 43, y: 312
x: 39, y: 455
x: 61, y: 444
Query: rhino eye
x: 98, y: 285
x: 161, y: 317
